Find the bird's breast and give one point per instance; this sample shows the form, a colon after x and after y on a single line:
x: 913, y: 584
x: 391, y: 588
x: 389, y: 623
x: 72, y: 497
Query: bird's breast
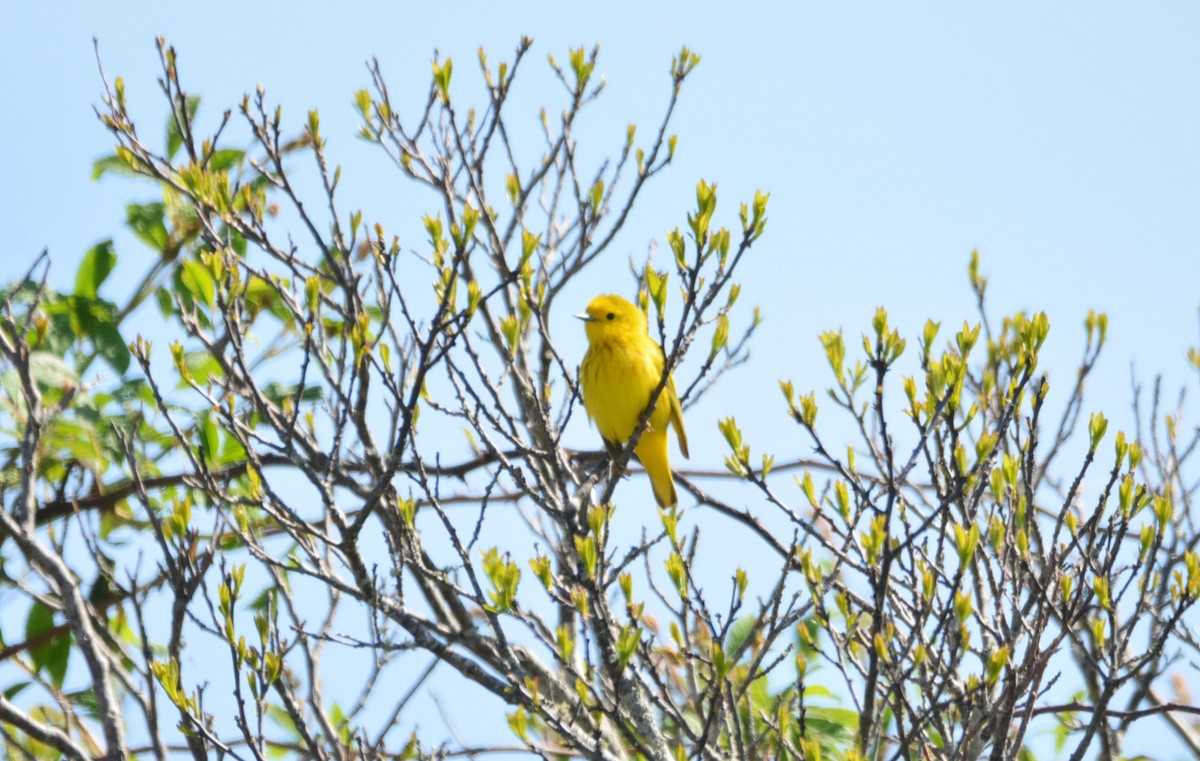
x: 617, y: 383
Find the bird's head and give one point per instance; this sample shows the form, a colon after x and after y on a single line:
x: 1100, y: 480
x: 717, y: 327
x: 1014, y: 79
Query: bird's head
x: 610, y: 316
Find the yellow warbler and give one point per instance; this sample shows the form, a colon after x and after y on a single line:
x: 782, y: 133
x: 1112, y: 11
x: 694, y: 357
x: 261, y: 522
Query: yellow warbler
x: 620, y: 371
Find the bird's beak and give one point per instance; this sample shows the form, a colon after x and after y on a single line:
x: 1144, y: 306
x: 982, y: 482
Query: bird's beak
x: 585, y: 317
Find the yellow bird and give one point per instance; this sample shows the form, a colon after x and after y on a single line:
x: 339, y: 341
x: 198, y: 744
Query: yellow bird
x: 620, y: 371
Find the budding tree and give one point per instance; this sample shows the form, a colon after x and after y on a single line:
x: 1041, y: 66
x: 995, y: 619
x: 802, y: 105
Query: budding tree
x: 274, y: 481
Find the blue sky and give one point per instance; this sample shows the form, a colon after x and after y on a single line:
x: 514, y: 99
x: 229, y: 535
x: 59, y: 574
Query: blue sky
x: 894, y: 139
x: 1061, y: 141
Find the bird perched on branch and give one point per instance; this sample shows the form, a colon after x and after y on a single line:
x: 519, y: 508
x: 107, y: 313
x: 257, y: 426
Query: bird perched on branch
x: 622, y: 368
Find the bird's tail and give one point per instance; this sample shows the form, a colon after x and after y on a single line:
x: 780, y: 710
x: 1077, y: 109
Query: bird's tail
x: 652, y: 451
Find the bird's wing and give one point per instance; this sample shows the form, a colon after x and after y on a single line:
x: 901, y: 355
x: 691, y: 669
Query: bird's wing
x: 676, y: 416
x: 675, y: 409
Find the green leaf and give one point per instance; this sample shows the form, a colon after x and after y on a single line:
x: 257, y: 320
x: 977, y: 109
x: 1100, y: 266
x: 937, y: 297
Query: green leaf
x: 232, y: 452
x: 262, y: 295
x: 341, y: 725
x: 50, y: 371
x: 224, y: 159
x: 741, y: 631
x: 15, y: 690
x: 111, y: 346
x: 85, y: 702
x: 96, y: 321
x: 146, y: 221
x: 196, y: 279
x: 817, y: 691
x: 79, y: 439
x: 112, y: 163
x: 96, y: 264
x: 838, y: 724
x: 209, y: 440
x: 441, y: 78
x: 166, y: 306
x: 266, y: 600
x: 174, y: 138
x: 237, y: 242
x: 760, y: 695
x: 283, y: 720
x: 50, y: 656
x: 133, y: 390
x: 202, y: 365
x: 277, y: 392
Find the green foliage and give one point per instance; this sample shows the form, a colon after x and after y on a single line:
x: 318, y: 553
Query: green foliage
x: 94, y: 269
x: 174, y: 133
x: 54, y: 651
x: 146, y: 222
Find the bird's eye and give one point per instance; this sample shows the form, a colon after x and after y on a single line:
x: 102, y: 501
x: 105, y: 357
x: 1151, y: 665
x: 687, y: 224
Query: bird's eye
x: 611, y: 316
